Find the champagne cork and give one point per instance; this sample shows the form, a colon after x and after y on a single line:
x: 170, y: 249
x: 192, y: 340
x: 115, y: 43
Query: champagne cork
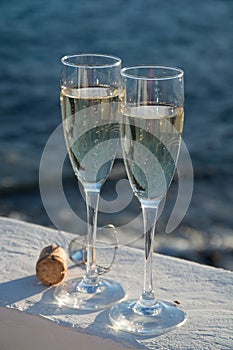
x: 51, y: 266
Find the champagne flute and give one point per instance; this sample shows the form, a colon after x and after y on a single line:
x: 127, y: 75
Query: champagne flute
x: 90, y: 95
x: 151, y: 128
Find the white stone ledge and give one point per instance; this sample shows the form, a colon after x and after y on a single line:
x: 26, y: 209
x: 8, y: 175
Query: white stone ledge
x: 205, y: 294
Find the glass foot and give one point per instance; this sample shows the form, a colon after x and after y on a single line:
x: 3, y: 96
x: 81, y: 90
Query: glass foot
x: 72, y: 294
x: 161, y: 318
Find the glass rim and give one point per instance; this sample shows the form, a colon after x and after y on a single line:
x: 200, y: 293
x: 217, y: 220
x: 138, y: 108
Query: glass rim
x: 116, y: 61
x: 125, y: 72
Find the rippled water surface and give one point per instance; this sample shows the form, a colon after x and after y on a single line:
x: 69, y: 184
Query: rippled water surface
x: 194, y: 35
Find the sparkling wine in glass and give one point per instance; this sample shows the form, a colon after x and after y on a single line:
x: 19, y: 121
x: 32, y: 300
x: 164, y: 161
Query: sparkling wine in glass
x: 151, y: 129
x: 90, y: 97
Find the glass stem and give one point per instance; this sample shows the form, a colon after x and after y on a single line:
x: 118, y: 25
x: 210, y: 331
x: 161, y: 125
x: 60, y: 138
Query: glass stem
x: 92, y: 203
x: 149, y: 212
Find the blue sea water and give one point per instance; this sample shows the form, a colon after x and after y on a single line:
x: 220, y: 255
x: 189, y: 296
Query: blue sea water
x: 194, y: 35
